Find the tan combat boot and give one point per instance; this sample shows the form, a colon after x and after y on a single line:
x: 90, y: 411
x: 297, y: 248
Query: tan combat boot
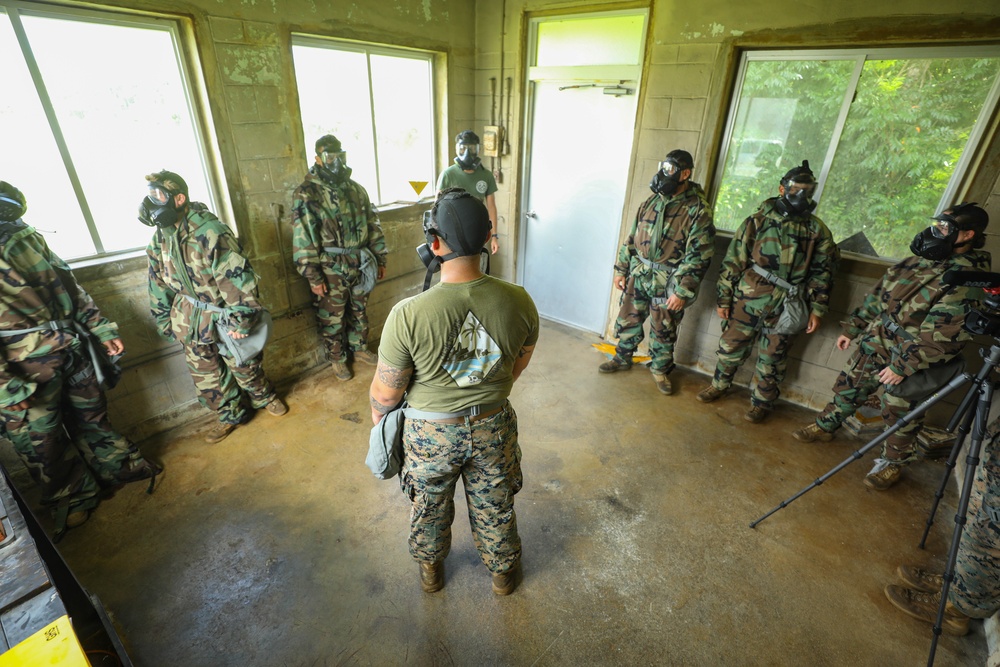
x: 614, y: 365
x: 884, y: 475
x: 920, y: 580
x: 431, y: 576
x: 341, y: 371
x: 504, y: 584
x: 812, y: 433
x: 924, y: 607
x: 276, y: 407
x: 220, y: 432
x: 757, y: 414
x: 710, y: 393
x: 663, y: 384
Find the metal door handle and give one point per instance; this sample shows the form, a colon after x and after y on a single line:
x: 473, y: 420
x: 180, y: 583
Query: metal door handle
x: 531, y: 214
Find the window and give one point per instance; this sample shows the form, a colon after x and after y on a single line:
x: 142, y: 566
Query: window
x: 379, y: 102
x: 888, y: 133
x: 82, y: 126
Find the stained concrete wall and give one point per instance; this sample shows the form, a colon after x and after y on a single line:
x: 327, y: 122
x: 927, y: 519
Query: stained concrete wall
x: 692, y: 53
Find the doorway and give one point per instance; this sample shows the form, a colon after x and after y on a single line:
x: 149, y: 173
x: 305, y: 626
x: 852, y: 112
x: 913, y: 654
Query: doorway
x: 580, y: 127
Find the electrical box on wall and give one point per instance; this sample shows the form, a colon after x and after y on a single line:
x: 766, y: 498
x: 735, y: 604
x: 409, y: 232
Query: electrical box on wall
x: 492, y: 141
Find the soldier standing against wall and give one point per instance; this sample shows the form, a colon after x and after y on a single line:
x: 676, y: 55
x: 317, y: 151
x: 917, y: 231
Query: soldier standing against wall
x: 660, y: 266
x: 456, y: 350
x: 469, y: 174
x: 780, y: 249
x: 338, y: 246
x: 196, y: 267
x: 910, y: 323
x: 53, y: 409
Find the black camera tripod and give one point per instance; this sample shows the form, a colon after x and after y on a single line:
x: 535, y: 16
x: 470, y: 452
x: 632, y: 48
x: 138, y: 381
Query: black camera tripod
x: 973, y: 411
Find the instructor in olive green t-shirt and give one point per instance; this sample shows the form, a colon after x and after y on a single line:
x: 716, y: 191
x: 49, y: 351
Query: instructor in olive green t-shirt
x: 455, y: 351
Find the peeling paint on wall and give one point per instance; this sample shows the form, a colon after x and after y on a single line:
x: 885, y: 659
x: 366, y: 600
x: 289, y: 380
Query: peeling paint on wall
x: 427, y: 10
x: 717, y: 29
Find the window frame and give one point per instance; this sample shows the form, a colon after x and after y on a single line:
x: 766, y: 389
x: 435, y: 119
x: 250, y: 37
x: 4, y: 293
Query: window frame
x: 974, y: 144
x: 195, y: 99
x: 368, y: 49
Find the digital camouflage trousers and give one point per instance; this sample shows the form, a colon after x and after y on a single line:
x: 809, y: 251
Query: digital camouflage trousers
x: 739, y: 333
x: 221, y: 383
x: 636, y: 306
x: 975, y: 590
x: 854, y: 385
x: 64, y: 438
x: 486, y: 455
x: 342, y: 314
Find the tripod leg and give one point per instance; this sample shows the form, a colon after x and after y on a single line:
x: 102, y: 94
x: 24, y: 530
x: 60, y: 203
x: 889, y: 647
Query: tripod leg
x: 971, y: 463
x: 949, y: 467
x: 917, y: 411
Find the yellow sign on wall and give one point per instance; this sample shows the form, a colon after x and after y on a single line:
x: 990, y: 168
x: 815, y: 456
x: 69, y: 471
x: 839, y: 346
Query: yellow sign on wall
x: 55, y: 644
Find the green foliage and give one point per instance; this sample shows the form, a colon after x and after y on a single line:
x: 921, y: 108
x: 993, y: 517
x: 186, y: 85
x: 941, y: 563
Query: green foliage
x: 905, y: 132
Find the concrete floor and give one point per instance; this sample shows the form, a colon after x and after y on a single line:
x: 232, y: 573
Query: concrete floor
x: 278, y: 547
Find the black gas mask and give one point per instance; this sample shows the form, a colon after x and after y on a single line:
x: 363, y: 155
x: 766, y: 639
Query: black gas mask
x: 333, y: 167
x: 158, y: 208
x: 937, y: 242
x: 799, y: 184
x: 467, y: 156
x: 13, y: 205
x: 667, y: 178
x: 461, y: 221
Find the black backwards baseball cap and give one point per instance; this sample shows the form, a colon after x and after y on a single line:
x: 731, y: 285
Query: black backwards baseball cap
x: 460, y: 220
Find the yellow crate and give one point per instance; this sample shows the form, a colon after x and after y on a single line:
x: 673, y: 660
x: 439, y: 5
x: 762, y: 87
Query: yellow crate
x: 55, y: 644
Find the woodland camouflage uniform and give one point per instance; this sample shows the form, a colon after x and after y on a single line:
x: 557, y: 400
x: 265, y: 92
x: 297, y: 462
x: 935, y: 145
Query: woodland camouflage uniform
x: 676, y: 233
x: 975, y: 590
x: 913, y: 295
x: 336, y: 215
x: 798, y: 249
x: 217, y: 274
x: 64, y: 437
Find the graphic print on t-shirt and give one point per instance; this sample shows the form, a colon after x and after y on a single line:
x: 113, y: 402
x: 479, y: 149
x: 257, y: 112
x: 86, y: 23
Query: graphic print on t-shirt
x: 482, y: 187
x: 473, y: 354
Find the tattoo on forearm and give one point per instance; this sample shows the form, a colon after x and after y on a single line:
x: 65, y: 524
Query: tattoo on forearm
x: 393, y: 377
x: 378, y: 407
x: 523, y: 352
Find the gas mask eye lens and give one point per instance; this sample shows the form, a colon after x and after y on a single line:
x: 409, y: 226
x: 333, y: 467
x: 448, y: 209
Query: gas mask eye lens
x: 158, y: 196
x: 330, y: 157
x: 468, y: 149
x: 669, y: 167
x: 941, y: 229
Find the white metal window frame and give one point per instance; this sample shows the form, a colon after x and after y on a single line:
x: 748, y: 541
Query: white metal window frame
x: 15, y: 10
x: 860, y: 56
x: 598, y: 73
x: 369, y: 49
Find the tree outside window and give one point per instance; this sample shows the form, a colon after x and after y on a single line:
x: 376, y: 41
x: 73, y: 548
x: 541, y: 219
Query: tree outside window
x: 886, y: 135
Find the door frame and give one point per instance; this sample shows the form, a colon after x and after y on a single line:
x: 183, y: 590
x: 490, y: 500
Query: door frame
x: 601, y: 74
